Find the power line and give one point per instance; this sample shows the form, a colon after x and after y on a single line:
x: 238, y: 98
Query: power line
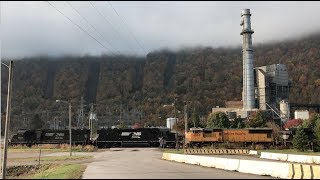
x: 107, y: 21
x: 77, y: 25
x: 91, y: 26
x: 124, y: 22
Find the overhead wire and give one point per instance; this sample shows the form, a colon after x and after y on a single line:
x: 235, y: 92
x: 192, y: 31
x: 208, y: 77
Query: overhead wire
x: 107, y: 21
x: 91, y: 25
x: 78, y: 26
x: 124, y: 22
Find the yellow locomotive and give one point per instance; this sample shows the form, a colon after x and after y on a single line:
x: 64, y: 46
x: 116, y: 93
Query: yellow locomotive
x: 206, y: 136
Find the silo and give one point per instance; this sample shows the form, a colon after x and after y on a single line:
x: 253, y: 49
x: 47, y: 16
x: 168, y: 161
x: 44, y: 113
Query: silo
x: 284, y: 110
x: 171, y: 122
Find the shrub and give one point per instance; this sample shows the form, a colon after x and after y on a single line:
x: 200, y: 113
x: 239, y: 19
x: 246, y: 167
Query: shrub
x: 64, y: 146
x: 259, y: 147
x: 89, y: 148
x: 47, y: 146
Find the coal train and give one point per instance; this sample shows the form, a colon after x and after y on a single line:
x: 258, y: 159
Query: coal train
x: 105, y: 137
x: 196, y: 137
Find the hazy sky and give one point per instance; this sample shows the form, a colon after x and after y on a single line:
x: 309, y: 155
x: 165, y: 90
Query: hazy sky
x: 33, y: 28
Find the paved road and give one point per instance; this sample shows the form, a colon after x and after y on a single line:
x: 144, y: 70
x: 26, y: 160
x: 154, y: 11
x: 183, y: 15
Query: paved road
x: 146, y: 163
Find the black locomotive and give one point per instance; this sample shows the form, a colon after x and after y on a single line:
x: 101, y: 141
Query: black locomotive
x: 105, y: 137
x: 134, y: 137
x: 48, y: 136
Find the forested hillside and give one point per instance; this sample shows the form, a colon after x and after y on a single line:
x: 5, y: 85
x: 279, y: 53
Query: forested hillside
x: 205, y: 76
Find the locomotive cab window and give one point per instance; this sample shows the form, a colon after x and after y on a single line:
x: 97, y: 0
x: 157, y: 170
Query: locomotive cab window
x: 196, y: 131
x: 207, y: 130
x: 268, y: 135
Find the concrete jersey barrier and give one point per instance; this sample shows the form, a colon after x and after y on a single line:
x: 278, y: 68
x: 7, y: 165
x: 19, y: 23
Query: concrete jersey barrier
x: 274, y: 169
x: 300, y: 158
x: 291, y: 157
x: 252, y: 152
x: 303, y: 171
x: 274, y: 156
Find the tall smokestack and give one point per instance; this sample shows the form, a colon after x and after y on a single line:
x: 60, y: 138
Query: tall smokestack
x: 247, y: 55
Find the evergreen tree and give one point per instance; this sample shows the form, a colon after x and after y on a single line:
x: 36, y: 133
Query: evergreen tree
x: 258, y: 120
x: 314, y: 123
x: 218, y: 120
x: 300, y: 140
x: 240, y: 125
x: 316, y: 131
x: 237, y: 123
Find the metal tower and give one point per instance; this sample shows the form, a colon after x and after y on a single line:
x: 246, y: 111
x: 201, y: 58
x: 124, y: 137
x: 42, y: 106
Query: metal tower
x: 80, y: 121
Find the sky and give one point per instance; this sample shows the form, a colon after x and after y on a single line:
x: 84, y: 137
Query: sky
x: 136, y: 28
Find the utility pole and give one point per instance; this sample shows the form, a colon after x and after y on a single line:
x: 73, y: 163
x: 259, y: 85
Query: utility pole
x: 4, y: 163
x: 185, y: 124
x: 70, y: 132
x: 120, y: 112
x: 108, y: 115
x: 194, y: 122
x: 47, y: 116
x: 24, y: 115
x: 128, y: 119
x: 0, y: 93
x: 81, y: 123
x: 90, y: 121
x: 54, y: 123
x: 175, y: 116
x: 80, y: 116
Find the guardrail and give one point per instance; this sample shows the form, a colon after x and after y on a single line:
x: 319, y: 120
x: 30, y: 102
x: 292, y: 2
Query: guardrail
x: 216, y: 151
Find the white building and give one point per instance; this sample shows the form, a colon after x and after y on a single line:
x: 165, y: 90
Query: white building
x: 301, y: 114
x: 171, y: 122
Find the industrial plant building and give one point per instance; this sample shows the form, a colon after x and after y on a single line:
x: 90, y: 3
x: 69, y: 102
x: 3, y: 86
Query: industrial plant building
x: 265, y: 88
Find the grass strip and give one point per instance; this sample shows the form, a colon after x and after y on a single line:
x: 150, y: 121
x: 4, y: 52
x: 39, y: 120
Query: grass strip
x: 60, y: 171
x: 46, y: 171
x: 52, y: 158
x: 180, y: 151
